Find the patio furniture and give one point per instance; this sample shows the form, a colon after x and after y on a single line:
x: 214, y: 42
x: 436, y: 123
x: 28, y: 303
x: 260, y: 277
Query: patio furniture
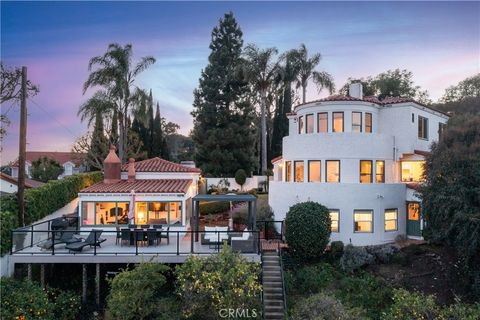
x: 157, y: 226
x: 214, y: 236
x: 152, y: 237
x: 93, y: 240
x: 125, y: 235
x: 139, y: 235
x: 145, y: 226
x: 66, y: 237
x: 118, y: 236
x: 244, y: 243
x: 165, y: 235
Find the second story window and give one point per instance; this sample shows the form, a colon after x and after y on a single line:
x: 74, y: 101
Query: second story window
x: 422, y: 128
x: 314, y: 170
x: 300, y: 125
x: 356, y: 122
x: 299, y: 171
x: 332, y: 168
x: 380, y: 171
x: 337, y: 118
x: 365, y: 171
x: 288, y: 171
x: 368, y: 122
x: 322, y: 119
x: 309, y: 123
x: 412, y: 171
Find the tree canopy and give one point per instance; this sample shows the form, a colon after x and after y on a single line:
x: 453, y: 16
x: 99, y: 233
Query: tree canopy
x: 45, y: 169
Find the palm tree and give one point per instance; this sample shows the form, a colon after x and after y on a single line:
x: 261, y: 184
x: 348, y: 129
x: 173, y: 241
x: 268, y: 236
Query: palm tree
x: 99, y: 104
x: 306, y: 71
x: 115, y: 72
x: 260, y: 71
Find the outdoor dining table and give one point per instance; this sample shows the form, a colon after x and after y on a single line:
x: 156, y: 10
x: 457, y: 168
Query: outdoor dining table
x: 133, y: 233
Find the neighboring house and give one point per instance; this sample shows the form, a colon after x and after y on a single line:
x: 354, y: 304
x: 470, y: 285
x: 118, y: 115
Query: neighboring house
x: 153, y: 191
x: 362, y: 158
x: 71, y: 162
x: 9, y: 184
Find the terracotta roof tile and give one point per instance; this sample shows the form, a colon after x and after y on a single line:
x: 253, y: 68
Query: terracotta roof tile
x: 159, y: 165
x: 60, y: 157
x: 141, y: 186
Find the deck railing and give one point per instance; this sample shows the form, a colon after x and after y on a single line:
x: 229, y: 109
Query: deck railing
x: 271, y: 229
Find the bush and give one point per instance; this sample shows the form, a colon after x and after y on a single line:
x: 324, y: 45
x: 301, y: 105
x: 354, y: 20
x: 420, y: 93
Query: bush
x: 321, y: 307
x: 27, y: 300
x: 336, y: 249
x: 461, y: 311
x: 307, y: 229
x: 412, y: 305
x: 354, y: 258
x: 383, y: 253
x: 214, y: 207
x: 137, y: 293
x: 310, y: 279
x: 240, y: 177
x: 400, y: 258
x: 58, y: 192
x: 222, y: 281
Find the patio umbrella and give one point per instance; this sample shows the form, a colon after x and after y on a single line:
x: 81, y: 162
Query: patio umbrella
x: 131, y: 213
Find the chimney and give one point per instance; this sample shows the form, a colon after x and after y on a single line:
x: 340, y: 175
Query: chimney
x: 131, y: 170
x: 112, y: 167
x: 355, y: 90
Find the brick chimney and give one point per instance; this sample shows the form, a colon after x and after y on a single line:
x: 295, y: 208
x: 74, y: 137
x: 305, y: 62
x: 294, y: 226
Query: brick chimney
x: 112, y: 167
x: 355, y: 90
x: 131, y: 170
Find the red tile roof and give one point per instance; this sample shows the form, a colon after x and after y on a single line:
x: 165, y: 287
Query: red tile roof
x: 141, y: 186
x: 159, y: 165
x: 60, y: 157
x: 276, y: 159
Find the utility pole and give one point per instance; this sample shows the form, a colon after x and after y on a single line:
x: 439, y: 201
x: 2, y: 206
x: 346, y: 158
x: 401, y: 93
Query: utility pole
x: 22, y: 150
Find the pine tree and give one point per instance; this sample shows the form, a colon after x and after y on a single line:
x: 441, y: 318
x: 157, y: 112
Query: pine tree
x: 149, y: 131
x: 223, y: 115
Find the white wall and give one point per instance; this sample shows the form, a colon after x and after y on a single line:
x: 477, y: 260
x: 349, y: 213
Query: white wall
x: 251, y: 182
x: 7, y: 186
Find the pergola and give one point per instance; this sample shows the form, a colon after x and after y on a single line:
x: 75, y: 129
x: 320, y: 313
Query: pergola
x: 250, y: 199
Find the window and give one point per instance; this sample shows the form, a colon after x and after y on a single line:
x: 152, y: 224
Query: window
x: 337, y: 118
x: 288, y: 171
x: 422, y: 128
x: 441, y: 130
x: 356, y: 122
x: 363, y: 220
x: 366, y: 171
x: 335, y: 218
x: 391, y: 216
x: 299, y: 171
x: 332, y: 168
x: 380, y: 171
x: 104, y: 213
x: 88, y: 213
x: 158, y: 213
x: 322, y: 122
x: 413, y: 118
x: 300, y: 124
x: 412, y: 171
x: 368, y: 122
x: 309, y: 123
x: 314, y: 171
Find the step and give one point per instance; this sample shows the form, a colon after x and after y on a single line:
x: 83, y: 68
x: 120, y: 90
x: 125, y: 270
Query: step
x: 274, y: 315
x: 271, y: 272
x: 273, y: 290
x: 273, y: 302
x: 271, y: 267
x: 270, y: 253
x: 273, y: 308
x: 273, y: 295
x: 267, y: 278
x: 276, y: 258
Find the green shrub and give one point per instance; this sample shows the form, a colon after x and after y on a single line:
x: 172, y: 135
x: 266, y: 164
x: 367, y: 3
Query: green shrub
x: 136, y: 294
x: 310, y: 279
x: 354, y: 258
x: 214, y: 207
x: 222, y: 281
x: 383, y: 253
x: 336, y: 249
x: 412, y: 305
x: 307, y: 229
x: 23, y: 299
x: 321, y: 307
x: 461, y: 311
x: 400, y: 258
x: 240, y: 177
x: 58, y: 192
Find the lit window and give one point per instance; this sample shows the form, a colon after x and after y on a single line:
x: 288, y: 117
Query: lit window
x: 368, y: 122
x: 335, y: 218
x: 288, y: 171
x: 309, y: 123
x: 299, y: 171
x: 337, y: 121
x: 365, y: 171
x: 88, y: 213
x: 412, y: 171
x: 333, y: 170
x: 413, y: 211
x: 356, y: 122
x: 300, y: 124
x: 441, y: 130
x: 314, y: 171
x: 141, y: 213
x: 323, y: 122
x: 380, y: 171
x: 363, y: 220
x: 422, y: 128
x: 391, y: 216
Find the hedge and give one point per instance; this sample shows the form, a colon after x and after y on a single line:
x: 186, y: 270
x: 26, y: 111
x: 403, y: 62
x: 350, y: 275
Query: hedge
x: 214, y: 207
x: 41, y: 201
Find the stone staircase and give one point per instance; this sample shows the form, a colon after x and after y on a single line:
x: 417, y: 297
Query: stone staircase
x: 273, y: 299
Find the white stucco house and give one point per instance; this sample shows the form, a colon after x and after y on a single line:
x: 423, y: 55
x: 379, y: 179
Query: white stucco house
x: 152, y: 191
x: 362, y: 158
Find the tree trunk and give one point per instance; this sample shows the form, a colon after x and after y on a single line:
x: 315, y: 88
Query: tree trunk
x: 264, y: 131
x: 304, y: 92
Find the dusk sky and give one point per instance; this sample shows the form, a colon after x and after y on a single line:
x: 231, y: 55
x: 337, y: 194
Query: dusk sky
x: 437, y: 41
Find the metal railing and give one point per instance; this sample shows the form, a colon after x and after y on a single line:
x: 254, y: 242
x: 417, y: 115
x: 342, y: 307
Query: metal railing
x: 272, y: 229
x: 137, y: 243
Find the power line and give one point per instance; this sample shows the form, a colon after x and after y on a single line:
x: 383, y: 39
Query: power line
x: 9, y: 108
x: 53, y: 118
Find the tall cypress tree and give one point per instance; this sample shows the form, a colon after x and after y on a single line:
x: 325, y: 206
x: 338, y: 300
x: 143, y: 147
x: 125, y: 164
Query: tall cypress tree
x: 157, y: 135
x: 223, y: 115
x: 99, y: 144
x: 149, y: 131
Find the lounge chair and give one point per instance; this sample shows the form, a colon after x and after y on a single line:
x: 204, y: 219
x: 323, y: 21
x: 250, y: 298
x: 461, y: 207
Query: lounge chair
x: 66, y: 237
x: 92, y: 240
x: 165, y: 235
x: 244, y: 243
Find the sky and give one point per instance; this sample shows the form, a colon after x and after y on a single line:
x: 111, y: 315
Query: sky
x: 438, y: 41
